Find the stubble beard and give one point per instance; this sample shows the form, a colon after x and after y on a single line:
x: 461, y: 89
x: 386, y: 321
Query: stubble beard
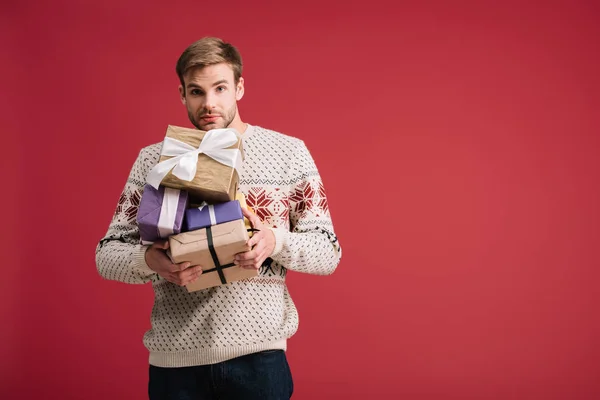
x: 226, y: 119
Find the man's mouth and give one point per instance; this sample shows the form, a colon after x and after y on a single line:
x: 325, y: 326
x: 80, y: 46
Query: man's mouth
x: 209, y: 118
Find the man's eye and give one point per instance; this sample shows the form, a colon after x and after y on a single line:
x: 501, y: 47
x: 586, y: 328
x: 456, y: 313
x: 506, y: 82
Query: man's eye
x: 221, y: 89
x: 195, y: 92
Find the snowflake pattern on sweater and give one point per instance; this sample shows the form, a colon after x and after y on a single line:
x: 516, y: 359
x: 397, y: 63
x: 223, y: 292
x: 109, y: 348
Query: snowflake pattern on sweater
x: 282, y: 185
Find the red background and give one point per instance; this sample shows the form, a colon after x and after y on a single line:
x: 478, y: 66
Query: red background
x: 458, y: 143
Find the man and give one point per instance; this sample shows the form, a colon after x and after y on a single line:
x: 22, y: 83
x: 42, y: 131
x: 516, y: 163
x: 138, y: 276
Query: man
x: 227, y: 342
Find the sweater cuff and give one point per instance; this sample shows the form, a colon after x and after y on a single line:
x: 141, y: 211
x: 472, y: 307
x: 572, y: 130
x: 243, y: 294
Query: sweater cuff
x: 138, y: 261
x: 279, y: 239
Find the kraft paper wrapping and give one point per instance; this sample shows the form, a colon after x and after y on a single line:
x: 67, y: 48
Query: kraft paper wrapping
x: 214, y: 182
x: 228, y: 239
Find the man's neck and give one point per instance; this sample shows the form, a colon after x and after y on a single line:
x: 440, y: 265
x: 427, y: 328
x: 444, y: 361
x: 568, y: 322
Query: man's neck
x: 238, y: 125
x: 242, y: 128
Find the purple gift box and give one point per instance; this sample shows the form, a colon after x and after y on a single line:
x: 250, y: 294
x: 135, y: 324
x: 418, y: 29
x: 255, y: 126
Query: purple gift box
x: 213, y: 214
x: 161, y: 213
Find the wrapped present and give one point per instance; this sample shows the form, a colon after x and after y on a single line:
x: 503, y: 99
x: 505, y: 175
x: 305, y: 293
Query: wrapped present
x: 211, y: 214
x: 213, y: 248
x: 206, y: 164
x: 239, y: 196
x: 160, y: 213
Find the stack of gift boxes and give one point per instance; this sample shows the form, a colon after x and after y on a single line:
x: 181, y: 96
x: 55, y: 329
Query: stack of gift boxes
x: 191, y: 199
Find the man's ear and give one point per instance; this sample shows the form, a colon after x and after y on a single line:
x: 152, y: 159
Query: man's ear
x: 182, y: 94
x: 239, y: 89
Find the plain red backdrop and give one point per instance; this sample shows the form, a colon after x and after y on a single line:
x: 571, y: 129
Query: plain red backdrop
x: 458, y: 143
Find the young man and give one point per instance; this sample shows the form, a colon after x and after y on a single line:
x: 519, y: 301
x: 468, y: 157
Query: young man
x: 227, y: 342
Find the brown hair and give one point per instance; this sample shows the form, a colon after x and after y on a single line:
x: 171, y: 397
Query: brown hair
x: 209, y: 51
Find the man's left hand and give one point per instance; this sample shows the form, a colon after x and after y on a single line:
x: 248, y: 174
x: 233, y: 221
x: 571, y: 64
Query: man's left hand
x: 261, y: 244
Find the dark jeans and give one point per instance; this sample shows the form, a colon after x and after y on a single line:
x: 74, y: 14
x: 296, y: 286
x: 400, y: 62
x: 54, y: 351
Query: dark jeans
x: 260, y: 376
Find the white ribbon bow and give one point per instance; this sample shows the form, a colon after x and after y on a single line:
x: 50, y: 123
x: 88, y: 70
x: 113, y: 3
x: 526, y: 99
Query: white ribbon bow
x: 211, y: 212
x: 185, y: 157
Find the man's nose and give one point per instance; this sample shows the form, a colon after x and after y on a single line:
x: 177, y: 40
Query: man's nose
x: 210, y: 102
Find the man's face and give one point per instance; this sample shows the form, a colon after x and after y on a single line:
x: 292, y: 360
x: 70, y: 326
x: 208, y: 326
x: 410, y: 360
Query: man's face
x: 210, y: 96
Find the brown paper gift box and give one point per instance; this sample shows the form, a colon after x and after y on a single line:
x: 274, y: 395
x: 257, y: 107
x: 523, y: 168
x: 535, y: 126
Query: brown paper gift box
x: 214, y: 182
x: 227, y: 239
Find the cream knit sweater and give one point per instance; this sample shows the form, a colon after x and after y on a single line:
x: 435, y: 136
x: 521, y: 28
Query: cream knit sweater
x: 282, y: 185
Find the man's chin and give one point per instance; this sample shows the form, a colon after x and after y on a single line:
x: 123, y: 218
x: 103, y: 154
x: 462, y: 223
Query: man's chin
x: 206, y: 127
x: 209, y: 126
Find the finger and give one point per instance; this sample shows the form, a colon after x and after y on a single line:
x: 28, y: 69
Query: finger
x: 259, y: 260
x: 191, y: 279
x: 176, y: 280
x: 182, y: 266
x: 169, y: 277
x: 247, y: 263
x: 247, y: 213
x: 189, y: 274
x: 244, y: 256
x: 173, y: 267
x: 259, y: 248
x: 253, y: 264
x: 253, y: 218
x: 256, y: 238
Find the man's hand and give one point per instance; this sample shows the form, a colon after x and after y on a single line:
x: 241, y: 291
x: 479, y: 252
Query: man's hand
x: 261, y: 244
x: 159, y: 262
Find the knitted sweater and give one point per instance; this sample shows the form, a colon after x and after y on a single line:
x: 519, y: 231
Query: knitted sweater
x: 283, y: 187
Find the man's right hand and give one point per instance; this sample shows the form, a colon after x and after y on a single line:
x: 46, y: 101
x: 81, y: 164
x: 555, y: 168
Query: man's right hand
x: 158, y: 261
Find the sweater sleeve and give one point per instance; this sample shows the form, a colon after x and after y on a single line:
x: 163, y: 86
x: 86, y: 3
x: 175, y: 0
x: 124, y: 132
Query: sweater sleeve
x: 310, y: 245
x: 120, y: 256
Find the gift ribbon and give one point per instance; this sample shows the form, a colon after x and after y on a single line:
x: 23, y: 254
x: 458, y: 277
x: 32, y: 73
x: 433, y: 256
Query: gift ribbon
x: 184, y: 159
x: 218, y: 267
x: 213, y: 254
x: 211, y: 212
x: 168, y: 212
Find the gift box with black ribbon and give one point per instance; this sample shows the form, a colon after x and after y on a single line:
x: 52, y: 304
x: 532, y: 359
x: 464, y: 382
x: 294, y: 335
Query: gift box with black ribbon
x: 213, y: 248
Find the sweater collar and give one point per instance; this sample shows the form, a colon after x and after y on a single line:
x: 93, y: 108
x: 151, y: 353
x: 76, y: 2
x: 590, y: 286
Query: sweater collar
x: 249, y: 131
